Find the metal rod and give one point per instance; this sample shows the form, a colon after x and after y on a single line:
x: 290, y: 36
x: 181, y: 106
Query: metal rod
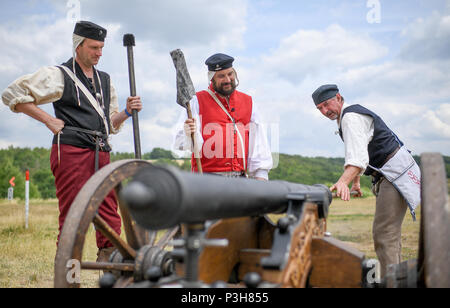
x: 94, y: 266
x: 126, y: 250
x: 129, y: 43
x: 193, y: 249
x: 162, y: 243
x: 352, y: 194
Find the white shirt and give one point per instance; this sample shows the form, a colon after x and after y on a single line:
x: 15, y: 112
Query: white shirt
x: 357, y: 131
x: 259, y: 157
x: 44, y: 87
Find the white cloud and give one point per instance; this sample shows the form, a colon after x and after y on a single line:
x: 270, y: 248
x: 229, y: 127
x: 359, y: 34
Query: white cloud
x: 311, y: 52
x: 437, y: 123
x: 27, y: 46
x: 409, y: 90
x: 172, y: 23
x: 429, y: 39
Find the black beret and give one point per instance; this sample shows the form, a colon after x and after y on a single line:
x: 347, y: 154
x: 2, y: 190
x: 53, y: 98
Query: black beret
x: 219, y: 62
x: 324, y: 93
x: 90, y: 30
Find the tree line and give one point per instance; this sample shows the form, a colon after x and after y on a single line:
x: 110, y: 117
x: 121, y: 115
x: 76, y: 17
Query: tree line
x: 292, y: 168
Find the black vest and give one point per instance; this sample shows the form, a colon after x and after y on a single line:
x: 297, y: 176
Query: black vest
x: 83, y: 116
x: 384, y: 140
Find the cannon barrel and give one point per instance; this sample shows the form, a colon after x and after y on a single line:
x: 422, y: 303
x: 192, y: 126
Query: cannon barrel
x: 163, y: 197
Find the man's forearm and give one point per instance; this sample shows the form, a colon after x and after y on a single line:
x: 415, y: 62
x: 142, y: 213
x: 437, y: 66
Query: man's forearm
x: 118, y: 119
x: 350, y: 174
x: 34, y: 111
x: 53, y: 124
x: 133, y: 103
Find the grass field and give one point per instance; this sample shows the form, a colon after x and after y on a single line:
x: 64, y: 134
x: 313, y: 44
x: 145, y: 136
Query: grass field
x: 27, y: 256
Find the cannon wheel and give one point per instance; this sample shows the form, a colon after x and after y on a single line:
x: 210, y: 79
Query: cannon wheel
x: 83, y: 212
x: 434, y: 246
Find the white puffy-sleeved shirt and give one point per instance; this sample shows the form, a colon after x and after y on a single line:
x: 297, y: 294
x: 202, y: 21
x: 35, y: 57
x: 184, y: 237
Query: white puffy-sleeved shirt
x: 358, y: 131
x: 259, y: 154
x: 43, y: 87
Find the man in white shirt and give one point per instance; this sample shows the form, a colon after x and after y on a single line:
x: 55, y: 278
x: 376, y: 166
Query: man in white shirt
x: 227, y: 126
x: 86, y: 113
x: 369, y: 145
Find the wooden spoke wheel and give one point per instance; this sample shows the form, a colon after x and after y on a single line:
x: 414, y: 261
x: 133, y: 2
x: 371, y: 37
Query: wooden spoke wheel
x: 134, y: 256
x: 434, y: 247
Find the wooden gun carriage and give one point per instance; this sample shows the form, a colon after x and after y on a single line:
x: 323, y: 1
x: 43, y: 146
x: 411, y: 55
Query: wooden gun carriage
x: 224, y: 234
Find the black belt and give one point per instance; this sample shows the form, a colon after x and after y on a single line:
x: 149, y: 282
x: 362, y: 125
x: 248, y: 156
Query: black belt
x: 232, y: 174
x: 99, y: 136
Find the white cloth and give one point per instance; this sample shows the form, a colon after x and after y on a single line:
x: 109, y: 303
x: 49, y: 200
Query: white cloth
x: 404, y: 173
x: 44, y: 87
x: 259, y: 154
x: 76, y: 40
x: 358, y: 131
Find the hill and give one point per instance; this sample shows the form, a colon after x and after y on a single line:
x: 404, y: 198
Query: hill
x: 292, y: 168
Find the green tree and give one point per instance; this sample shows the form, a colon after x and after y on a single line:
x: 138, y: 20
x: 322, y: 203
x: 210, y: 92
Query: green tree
x: 159, y: 153
x: 9, y: 171
x: 45, y: 183
x: 292, y: 168
x: 121, y: 156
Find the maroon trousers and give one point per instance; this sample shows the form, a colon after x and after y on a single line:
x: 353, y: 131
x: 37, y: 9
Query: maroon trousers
x: 74, y: 170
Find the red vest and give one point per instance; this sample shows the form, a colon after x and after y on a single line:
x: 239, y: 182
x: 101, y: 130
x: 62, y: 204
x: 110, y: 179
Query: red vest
x: 222, y: 150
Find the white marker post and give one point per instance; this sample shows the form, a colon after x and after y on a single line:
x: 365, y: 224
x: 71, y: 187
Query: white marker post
x: 27, y: 197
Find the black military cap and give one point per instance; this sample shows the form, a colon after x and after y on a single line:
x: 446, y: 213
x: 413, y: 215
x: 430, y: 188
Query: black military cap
x: 90, y: 30
x: 324, y: 93
x: 219, y: 62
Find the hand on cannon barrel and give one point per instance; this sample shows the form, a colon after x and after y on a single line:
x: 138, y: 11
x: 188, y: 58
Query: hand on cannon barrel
x: 356, y: 191
x: 350, y: 175
x: 341, y: 190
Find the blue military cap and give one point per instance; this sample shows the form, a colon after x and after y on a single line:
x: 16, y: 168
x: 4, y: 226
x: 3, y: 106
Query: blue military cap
x: 90, y: 30
x: 219, y: 62
x: 324, y: 93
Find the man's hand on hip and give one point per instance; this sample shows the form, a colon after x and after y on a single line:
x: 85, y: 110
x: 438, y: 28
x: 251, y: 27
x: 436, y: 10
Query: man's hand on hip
x: 31, y: 110
x: 55, y: 125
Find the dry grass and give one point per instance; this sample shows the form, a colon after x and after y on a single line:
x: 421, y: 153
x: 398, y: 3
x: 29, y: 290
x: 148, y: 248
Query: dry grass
x: 352, y: 222
x: 27, y: 256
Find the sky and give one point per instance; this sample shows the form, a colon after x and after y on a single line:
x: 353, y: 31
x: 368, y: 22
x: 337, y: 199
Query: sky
x: 393, y: 57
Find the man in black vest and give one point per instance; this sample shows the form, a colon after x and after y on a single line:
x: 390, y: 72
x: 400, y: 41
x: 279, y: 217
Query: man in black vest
x: 86, y: 113
x: 369, y: 145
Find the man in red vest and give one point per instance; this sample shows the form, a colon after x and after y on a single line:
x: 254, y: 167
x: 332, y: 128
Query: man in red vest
x: 228, y: 128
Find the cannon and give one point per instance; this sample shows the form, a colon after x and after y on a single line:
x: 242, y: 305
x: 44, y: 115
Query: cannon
x: 160, y: 198
x: 188, y: 230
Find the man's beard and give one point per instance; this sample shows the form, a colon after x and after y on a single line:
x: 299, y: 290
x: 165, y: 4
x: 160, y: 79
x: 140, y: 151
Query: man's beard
x: 221, y: 89
x: 333, y: 117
